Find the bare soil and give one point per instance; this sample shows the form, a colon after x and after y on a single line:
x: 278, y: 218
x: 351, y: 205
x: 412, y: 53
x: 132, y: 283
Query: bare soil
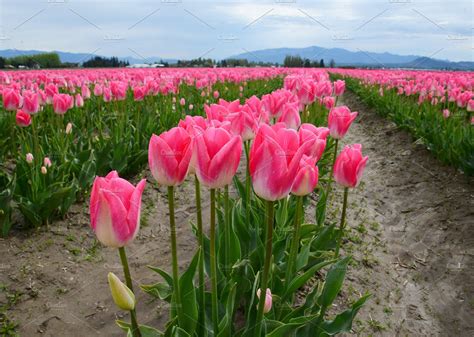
x: 411, y: 232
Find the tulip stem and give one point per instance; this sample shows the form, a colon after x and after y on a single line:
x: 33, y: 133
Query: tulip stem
x: 343, y: 222
x: 247, y: 180
x: 227, y: 229
x: 174, y: 254
x: 266, y: 267
x: 328, y: 189
x: 202, y: 296
x: 295, y: 241
x: 128, y: 281
x: 212, y: 251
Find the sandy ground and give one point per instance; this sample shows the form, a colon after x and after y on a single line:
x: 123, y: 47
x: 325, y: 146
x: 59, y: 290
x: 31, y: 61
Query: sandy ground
x: 411, y: 235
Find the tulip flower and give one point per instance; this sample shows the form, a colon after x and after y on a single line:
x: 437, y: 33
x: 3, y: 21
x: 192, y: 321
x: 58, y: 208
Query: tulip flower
x: 274, y: 161
x: 268, y: 300
x: 68, y: 128
x: 317, y: 135
x: 29, y: 158
x: 79, y: 101
x: 121, y: 294
x: 349, y: 166
x: 44, y: 170
x: 47, y: 162
x: 290, y: 115
x: 31, y: 102
x: 139, y: 93
x: 12, y: 100
x: 62, y: 103
x: 339, y: 87
x: 446, y: 113
x: 339, y: 120
x: 115, y: 209
x: 306, y: 178
x: 218, y: 157
x: 23, y: 119
x: 169, y: 155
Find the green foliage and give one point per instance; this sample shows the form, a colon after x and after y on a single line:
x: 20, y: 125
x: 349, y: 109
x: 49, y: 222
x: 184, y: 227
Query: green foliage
x: 43, y: 60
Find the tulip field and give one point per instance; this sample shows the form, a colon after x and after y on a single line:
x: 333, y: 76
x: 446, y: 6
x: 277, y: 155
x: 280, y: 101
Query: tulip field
x: 264, y: 161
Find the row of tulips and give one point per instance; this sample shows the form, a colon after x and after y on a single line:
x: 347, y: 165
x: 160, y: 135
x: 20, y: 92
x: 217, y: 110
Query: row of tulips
x: 436, y: 107
x: 259, y: 251
x: 87, y: 123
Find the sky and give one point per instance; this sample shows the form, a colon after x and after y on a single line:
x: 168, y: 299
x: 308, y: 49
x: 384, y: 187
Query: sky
x: 187, y: 29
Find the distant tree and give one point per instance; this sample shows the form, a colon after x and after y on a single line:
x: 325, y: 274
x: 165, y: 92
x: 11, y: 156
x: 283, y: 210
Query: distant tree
x: 307, y: 63
x: 104, y: 62
x: 293, y: 61
x: 332, y: 63
x: 321, y: 63
x: 2, y: 62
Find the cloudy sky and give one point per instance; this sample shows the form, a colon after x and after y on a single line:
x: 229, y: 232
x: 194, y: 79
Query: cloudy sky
x: 217, y: 29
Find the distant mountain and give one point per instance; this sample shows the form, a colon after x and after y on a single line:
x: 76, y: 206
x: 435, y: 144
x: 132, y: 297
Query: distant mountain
x: 81, y: 57
x: 344, y: 57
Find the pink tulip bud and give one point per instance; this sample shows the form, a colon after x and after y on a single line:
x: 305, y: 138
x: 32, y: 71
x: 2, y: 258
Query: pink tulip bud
x: 139, y: 93
x: 169, y: 155
x: 216, y: 94
x: 68, y: 128
x: 182, y: 102
x: 470, y: 105
x: 115, y: 209
x: 268, y: 300
x: 339, y: 120
x: 47, y: 162
x: 23, y: 119
x: 329, y: 102
x: 44, y: 170
x: 29, y: 158
x: 446, y: 113
x: 349, y: 166
x: 31, y: 102
x: 217, y: 156
x: 191, y: 107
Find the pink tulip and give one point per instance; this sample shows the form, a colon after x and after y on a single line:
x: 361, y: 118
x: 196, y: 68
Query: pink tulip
x: 98, y: 90
x: 115, y: 209
x: 329, y: 102
x: 349, y: 166
x: 309, y: 132
x: 470, y: 105
x: 218, y: 156
x: 23, y: 119
x: 290, y: 116
x: 182, y: 102
x: 79, y: 101
x: 268, y: 300
x: 139, y: 93
x: 339, y: 87
x: 85, y: 91
x: 216, y: 94
x: 47, y: 162
x: 12, y: 99
x: 169, y: 155
x: 31, y: 102
x: 339, y: 120
x: 307, y: 177
x: 446, y: 113
x: 62, y: 103
x: 274, y: 160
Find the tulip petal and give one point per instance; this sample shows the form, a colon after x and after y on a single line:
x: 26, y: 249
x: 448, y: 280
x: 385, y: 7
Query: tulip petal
x: 133, y: 216
x: 112, y: 228
x: 225, y: 163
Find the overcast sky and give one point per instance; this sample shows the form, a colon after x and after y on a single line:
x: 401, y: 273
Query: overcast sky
x: 217, y: 29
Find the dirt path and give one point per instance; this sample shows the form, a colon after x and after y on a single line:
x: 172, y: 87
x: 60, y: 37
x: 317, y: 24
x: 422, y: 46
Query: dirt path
x: 412, y: 235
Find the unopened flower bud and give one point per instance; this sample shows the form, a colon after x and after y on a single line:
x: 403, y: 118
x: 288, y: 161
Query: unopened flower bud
x: 122, y: 295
